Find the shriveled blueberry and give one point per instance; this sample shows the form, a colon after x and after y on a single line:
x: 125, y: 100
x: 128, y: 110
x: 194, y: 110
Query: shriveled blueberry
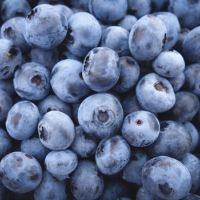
x: 50, y: 188
x: 185, y: 107
x: 45, y: 27
x: 14, y: 8
x: 155, y: 93
x: 192, y: 79
x: 6, y: 103
x: 32, y: 81
x: 84, y: 145
x: 109, y: 11
x: 21, y: 172
x: 61, y: 163
x: 52, y: 102
x: 85, y: 181
x: 100, y: 115
x: 35, y: 148
x: 22, y: 120
x: 132, y: 172
x: 56, y: 130
x: 160, y: 175
x: 11, y: 58
x: 84, y: 34
x: 12, y: 29
x: 72, y: 88
x: 169, y: 63
x: 174, y: 140
x: 127, y: 22
x: 147, y: 38
x: 116, y: 38
x: 173, y: 27
x: 112, y: 155
x: 192, y: 163
x: 129, y: 75
x: 140, y: 128
x: 139, y: 8
x: 101, y: 69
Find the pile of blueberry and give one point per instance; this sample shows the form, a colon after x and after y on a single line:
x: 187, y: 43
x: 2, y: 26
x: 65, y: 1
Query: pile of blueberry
x: 100, y: 100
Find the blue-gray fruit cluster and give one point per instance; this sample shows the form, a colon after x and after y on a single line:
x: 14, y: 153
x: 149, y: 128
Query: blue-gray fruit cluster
x: 99, y: 99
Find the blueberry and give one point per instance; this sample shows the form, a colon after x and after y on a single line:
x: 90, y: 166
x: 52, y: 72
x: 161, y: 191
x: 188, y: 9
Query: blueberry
x: 64, y: 10
x: 84, y: 34
x: 50, y: 188
x: 109, y: 11
x: 129, y: 75
x: 116, y: 38
x: 132, y: 172
x: 127, y: 22
x: 142, y: 194
x: 80, y: 4
x: 12, y: 29
x: 84, y: 145
x: 191, y: 197
x: 72, y: 88
x: 20, y: 172
x: 177, y: 82
x: 140, y: 128
x: 35, y: 148
x: 52, y: 102
x: 6, y: 103
x: 32, y: 81
x: 192, y: 163
x: 85, y: 181
x: 139, y: 8
x: 160, y: 175
x: 61, y: 163
x: 11, y: 58
x: 173, y: 27
x: 56, y: 130
x: 45, y: 27
x: 169, y: 63
x: 155, y: 93
x: 147, y: 38
x: 22, y: 120
x: 14, y: 8
x: 7, y: 85
x: 100, y: 115
x: 185, y: 107
x: 174, y: 140
x: 101, y: 69
x: 47, y: 58
x: 112, y: 155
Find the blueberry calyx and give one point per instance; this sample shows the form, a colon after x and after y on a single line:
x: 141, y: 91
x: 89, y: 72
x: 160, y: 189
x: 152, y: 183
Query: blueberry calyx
x: 139, y: 122
x: 9, y: 32
x: 37, y: 79
x: 13, y: 52
x: 5, y: 70
x: 159, y: 86
x: 165, y: 189
x: 43, y: 133
x: 32, y: 14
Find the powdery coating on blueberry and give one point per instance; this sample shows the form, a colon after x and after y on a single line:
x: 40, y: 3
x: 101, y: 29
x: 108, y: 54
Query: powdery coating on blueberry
x: 132, y: 172
x: 32, y: 81
x: 177, y: 82
x: 112, y: 155
x: 101, y: 69
x: 143, y: 194
x: 116, y: 38
x: 160, y: 175
x: 100, y: 115
x: 84, y: 34
x: 12, y: 29
x: 56, y: 130
x: 6, y: 103
x: 129, y: 75
x: 85, y: 181
x: 174, y: 141
x: 72, y: 88
x: 22, y: 120
x: 84, y: 145
x: 11, y: 58
x: 169, y: 63
x: 147, y: 38
x: 127, y: 22
x: 108, y: 11
x: 20, y: 172
x: 45, y: 27
x: 50, y: 188
x: 140, y: 128
x: 155, y: 93
x: 61, y: 163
